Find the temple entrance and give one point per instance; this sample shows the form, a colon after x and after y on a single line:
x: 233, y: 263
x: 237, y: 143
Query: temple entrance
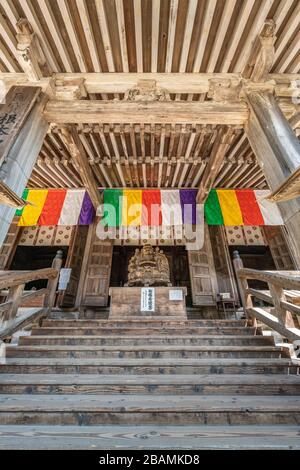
x: 178, y: 262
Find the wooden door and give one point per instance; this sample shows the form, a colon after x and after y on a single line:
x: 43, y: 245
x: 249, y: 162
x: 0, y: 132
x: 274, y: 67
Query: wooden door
x: 203, y: 274
x: 98, y: 269
x: 222, y: 261
x: 278, y: 244
x: 74, y: 261
x: 9, y: 246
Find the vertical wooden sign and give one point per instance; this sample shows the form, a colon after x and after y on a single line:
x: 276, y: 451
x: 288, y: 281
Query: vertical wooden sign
x: 19, y: 101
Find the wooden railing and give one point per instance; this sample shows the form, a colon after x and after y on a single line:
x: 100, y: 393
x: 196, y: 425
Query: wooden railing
x: 282, y: 292
x: 12, y: 284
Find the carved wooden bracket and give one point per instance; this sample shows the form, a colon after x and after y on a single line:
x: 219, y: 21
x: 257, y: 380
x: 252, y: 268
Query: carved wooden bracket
x: 30, y: 52
x: 224, y: 90
x: 263, y: 53
x: 146, y: 90
x: 70, y: 89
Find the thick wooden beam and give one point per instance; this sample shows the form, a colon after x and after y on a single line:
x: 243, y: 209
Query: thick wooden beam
x: 170, y: 82
x: 155, y: 112
x: 278, y: 152
x: 219, y: 150
x: 74, y: 145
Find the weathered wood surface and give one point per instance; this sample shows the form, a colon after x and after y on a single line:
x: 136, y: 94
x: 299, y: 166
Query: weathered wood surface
x: 14, y: 278
x: 145, y: 351
x: 146, y: 366
x: 19, y: 101
x: 78, y: 153
x: 126, y: 301
x: 284, y: 437
x: 277, y: 150
x: 288, y: 279
x: 225, y: 384
x: 20, y: 322
x: 138, y: 340
x: 61, y: 112
x: 274, y: 323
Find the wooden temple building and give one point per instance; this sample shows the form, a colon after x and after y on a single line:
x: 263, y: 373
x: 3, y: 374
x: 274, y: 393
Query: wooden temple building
x: 133, y: 103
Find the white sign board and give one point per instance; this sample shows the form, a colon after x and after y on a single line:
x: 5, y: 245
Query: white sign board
x: 64, y: 278
x: 147, y: 299
x: 175, y: 294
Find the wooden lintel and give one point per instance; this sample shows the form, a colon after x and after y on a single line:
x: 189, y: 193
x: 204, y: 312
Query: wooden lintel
x: 74, y: 145
x: 171, y: 82
x: 75, y: 112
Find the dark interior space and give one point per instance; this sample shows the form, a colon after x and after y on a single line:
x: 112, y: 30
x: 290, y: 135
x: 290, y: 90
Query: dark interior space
x: 255, y: 257
x: 178, y: 262
x: 29, y: 258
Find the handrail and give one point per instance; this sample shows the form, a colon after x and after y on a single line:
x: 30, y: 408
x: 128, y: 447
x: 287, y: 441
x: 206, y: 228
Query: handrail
x: 279, y: 315
x: 15, y: 282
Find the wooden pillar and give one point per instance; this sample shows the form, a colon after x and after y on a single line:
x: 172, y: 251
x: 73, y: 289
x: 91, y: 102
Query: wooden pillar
x: 278, y: 152
x: 22, y: 132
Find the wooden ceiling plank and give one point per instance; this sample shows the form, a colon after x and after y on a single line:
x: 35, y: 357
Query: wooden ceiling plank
x: 155, y: 34
x: 33, y: 20
x: 257, y: 25
x: 287, y: 32
x: 281, y: 12
x: 55, y: 32
x: 74, y: 144
x: 221, y: 145
x: 138, y: 34
x: 8, y: 37
x: 101, y: 165
x: 7, y: 59
x: 222, y: 30
x: 289, y: 54
x: 188, y: 34
x: 237, y: 33
x: 122, y: 34
x: 171, y: 34
x: 183, y: 174
x: 105, y: 35
x: 198, y: 175
x: 209, y: 13
x: 85, y: 20
x: 72, y: 35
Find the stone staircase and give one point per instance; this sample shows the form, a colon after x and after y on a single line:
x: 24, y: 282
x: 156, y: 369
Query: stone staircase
x: 148, y: 383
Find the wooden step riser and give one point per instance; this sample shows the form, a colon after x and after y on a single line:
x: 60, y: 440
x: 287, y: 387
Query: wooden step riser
x: 112, y: 341
x: 150, y: 437
x: 15, y: 352
x: 142, y: 331
x: 82, y: 418
x: 174, y: 389
x: 142, y: 324
x: 153, y: 369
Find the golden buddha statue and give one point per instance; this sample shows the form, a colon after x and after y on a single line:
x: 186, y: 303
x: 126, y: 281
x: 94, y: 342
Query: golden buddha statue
x: 148, y: 267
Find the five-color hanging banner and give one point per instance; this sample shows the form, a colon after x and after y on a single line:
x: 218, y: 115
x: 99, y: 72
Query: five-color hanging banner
x: 56, y: 207
x: 147, y: 207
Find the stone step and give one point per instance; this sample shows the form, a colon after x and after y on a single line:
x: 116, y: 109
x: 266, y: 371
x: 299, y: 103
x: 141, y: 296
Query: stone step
x: 147, y: 366
x: 142, y: 323
x: 164, y: 330
x: 166, y: 437
x: 145, y: 351
x: 146, y: 409
x: 150, y: 340
x: 215, y: 384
